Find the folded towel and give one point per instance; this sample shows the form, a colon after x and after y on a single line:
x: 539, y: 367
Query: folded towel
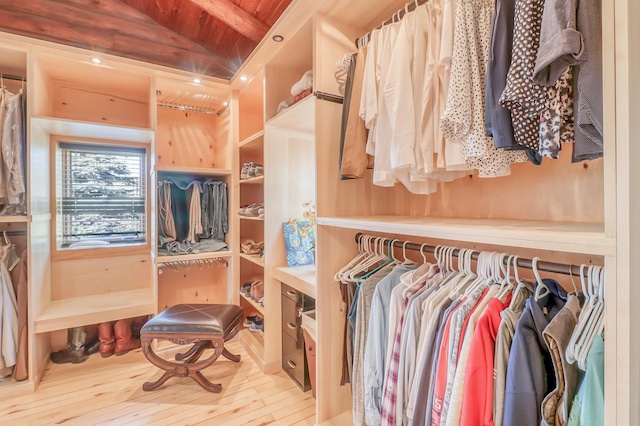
x: 306, y: 82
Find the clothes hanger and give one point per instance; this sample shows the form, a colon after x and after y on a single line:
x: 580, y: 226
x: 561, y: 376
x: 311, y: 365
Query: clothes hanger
x: 480, y: 276
x: 572, y: 347
x: 361, y: 253
x: 378, y: 256
x: 507, y: 285
x: 596, y: 317
x: 388, y: 261
x: 368, y: 250
x: 468, y: 275
x: 408, y: 261
x: 541, y: 289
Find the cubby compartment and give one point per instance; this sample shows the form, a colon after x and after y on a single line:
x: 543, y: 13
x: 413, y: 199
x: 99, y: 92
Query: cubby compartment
x: 286, y: 68
x: 192, y: 125
x: 76, y: 89
x: 251, y: 108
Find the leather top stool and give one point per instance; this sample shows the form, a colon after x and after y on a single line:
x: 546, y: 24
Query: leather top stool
x: 206, y: 326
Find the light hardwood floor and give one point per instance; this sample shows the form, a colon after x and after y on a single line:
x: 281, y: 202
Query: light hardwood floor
x: 109, y: 392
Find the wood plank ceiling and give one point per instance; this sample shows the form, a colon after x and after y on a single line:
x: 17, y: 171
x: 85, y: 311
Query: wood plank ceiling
x: 207, y: 37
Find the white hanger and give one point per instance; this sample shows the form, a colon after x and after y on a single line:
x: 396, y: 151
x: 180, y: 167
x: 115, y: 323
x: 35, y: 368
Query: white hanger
x: 408, y: 261
x: 482, y: 273
x: 572, y: 347
x: 595, y: 320
x: 362, y: 252
x: 541, y: 289
x: 366, y: 263
x: 507, y: 285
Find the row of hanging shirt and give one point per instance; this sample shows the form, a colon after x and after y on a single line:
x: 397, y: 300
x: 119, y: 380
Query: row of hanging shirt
x: 13, y: 312
x: 13, y: 143
x: 463, y: 85
x: 435, y: 346
x: 192, y: 215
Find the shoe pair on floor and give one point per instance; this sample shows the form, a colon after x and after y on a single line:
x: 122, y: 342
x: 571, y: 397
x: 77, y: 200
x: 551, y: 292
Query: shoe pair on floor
x: 252, y: 210
x: 251, y: 170
x: 254, y: 323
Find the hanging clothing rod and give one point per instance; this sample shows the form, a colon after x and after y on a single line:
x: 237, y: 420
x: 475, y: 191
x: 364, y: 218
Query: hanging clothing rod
x: 13, y: 77
x: 323, y: 96
x: 400, y: 14
x: 557, y: 268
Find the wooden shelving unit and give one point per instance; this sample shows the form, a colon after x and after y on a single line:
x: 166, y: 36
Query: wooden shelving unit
x: 253, y: 258
x: 258, y: 307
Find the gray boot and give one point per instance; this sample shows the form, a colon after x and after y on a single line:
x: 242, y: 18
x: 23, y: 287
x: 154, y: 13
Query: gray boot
x: 75, y: 352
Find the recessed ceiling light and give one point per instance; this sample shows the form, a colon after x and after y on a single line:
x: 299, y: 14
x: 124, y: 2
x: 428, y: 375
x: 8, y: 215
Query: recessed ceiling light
x: 96, y: 60
x: 225, y: 104
x: 244, y: 78
x: 196, y: 80
x: 277, y: 38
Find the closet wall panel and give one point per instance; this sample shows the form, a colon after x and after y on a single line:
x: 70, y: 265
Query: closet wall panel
x: 86, y: 103
x: 39, y: 195
x: 185, y: 139
x: 84, y: 277
x: 556, y: 191
x: 197, y: 284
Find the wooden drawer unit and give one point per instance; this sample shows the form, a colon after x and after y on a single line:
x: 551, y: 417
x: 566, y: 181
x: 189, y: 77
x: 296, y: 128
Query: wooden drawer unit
x: 294, y: 361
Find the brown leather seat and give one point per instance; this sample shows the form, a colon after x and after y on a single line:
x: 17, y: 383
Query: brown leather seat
x: 198, y: 319
x: 206, y: 326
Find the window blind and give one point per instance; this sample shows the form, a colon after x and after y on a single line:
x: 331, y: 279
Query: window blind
x: 102, y: 193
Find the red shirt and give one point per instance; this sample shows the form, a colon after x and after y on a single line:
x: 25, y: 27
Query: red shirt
x: 477, y: 404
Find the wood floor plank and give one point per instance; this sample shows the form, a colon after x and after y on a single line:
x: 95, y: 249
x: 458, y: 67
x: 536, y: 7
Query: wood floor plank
x: 109, y: 392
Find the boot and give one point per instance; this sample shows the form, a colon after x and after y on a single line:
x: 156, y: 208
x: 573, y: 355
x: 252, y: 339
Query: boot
x: 124, y: 337
x: 107, y: 340
x: 92, y: 341
x: 74, y: 353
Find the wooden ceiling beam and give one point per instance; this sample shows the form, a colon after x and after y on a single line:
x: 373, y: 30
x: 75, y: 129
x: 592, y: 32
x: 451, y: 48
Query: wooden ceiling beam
x: 128, y: 46
x: 73, y: 16
x: 235, y: 17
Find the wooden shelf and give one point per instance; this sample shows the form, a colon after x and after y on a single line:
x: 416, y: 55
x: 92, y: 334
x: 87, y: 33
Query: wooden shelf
x: 299, y: 117
x: 302, y: 278
x: 253, y: 181
x: 204, y: 171
x: 67, y: 313
x: 253, y: 142
x: 250, y: 218
x: 15, y: 219
x: 583, y: 238
x: 253, y: 258
x: 253, y: 303
x: 188, y: 257
x: 63, y: 127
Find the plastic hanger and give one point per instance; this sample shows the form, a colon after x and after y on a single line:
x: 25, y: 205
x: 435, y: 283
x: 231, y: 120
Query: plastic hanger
x: 389, y: 261
x: 596, y: 317
x: 408, y: 261
x: 361, y: 254
x: 371, y: 247
x: 541, y: 289
x: 572, y: 347
x: 506, y: 285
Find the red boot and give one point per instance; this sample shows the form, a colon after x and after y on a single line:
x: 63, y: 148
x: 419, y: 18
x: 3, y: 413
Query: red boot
x: 124, y: 337
x: 107, y: 339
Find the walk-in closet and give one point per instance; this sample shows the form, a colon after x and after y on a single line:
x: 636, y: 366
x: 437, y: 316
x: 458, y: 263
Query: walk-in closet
x: 423, y: 216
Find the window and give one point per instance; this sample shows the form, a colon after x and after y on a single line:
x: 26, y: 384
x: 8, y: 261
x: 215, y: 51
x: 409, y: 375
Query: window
x: 101, y: 195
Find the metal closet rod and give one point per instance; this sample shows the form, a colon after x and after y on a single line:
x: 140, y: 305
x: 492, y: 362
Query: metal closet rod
x: 13, y: 77
x: 558, y: 268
